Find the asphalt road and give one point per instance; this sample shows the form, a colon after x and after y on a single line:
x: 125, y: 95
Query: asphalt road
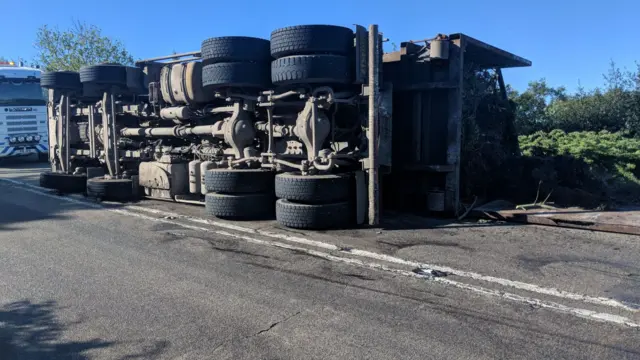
x: 87, y: 281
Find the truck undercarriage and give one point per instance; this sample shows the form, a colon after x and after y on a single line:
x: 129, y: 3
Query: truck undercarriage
x: 300, y: 126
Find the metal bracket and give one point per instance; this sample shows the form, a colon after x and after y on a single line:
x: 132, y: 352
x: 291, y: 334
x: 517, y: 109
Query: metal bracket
x: 92, y: 132
x: 372, y: 131
x: 52, y: 127
x: 63, y: 133
x: 110, y: 137
x: 238, y: 131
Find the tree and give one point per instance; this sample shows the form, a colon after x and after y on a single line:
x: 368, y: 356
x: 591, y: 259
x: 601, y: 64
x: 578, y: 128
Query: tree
x: 614, y: 107
x: 531, y: 105
x: 78, y: 46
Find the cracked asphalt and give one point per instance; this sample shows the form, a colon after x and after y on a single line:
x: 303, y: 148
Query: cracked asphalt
x: 83, y: 283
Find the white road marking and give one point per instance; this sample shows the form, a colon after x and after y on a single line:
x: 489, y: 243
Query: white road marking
x: 388, y: 258
x: 392, y: 259
x: 583, y: 313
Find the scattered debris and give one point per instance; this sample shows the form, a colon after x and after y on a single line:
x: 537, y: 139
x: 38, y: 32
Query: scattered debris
x: 430, y: 272
x: 468, y: 209
x: 535, y: 203
x: 622, y: 221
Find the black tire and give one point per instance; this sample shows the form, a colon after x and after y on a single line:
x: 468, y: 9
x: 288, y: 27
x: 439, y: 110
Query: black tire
x: 311, y: 39
x: 239, y: 181
x: 236, y: 74
x: 240, y: 206
x: 104, y: 74
x: 314, y: 216
x: 313, y: 189
x: 64, y: 183
x: 235, y: 49
x: 61, y: 80
x: 110, y: 189
x: 43, y: 157
x: 135, y: 80
x: 311, y: 69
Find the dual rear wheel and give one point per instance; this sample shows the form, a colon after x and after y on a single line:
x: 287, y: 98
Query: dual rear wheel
x: 239, y: 194
x: 307, y: 54
x: 315, y: 202
x: 304, y: 202
x: 312, y: 54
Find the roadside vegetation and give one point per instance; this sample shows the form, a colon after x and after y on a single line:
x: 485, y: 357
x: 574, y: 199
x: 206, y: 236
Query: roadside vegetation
x: 592, y: 138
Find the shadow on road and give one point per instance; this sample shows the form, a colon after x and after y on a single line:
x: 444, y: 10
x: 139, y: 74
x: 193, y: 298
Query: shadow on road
x: 20, y: 205
x: 403, y: 221
x: 32, y: 331
x: 16, y: 217
x: 23, y: 169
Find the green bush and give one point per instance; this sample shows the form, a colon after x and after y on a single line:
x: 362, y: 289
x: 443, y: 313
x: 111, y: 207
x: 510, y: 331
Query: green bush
x: 613, y: 159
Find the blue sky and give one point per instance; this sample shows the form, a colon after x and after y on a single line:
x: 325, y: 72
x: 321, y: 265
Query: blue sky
x: 570, y: 42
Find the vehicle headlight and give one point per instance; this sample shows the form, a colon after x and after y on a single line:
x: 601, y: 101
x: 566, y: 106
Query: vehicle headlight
x: 13, y: 139
x: 29, y: 138
x: 37, y: 137
x: 21, y: 139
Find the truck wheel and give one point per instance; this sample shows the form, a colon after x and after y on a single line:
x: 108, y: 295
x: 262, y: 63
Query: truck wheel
x: 110, y: 189
x: 235, y: 49
x: 313, y: 189
x: 311, y: 39
x: 64, y: 183
x: 314, y: 216
x: 240, y: 206
x: 61, y: 80
x: 104, y: 74
x: 236, y: 74
x: 239, y: 181
x: 311, y: 69
x: 135, y: 79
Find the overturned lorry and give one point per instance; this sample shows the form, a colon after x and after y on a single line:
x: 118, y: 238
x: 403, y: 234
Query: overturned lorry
x: 313, y: 126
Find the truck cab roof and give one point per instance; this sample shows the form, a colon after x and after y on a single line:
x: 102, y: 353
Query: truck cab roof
x: 16, y: 72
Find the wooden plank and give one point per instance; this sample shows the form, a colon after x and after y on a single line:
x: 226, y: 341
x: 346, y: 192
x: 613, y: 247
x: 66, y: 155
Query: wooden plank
x: 621, y: 222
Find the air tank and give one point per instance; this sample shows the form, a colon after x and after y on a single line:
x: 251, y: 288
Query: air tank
x: 175, y: 113
x: 206, y: 165
x: 194, y: 176
x: 181, y: 84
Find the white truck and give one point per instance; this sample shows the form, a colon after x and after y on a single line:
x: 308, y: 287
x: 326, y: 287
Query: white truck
x: 23, y: 112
